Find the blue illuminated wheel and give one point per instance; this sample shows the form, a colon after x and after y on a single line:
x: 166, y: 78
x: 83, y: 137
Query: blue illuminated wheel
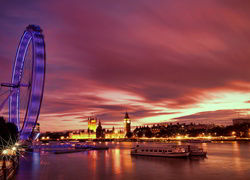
x: 27, y: 83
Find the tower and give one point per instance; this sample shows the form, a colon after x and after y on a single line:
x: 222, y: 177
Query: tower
x: 99, y: 133
x: 127, y: 124
x: 92, y: 123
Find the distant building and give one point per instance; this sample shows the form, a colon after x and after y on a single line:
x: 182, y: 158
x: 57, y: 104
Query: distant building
x: 82, y: 135
x: 200, y: 126
x: 114, y: 134
x: 37, y: 128
x: 36, y: 132
x: 240, y: 121
x: 92, y: 121
x: 127, y: 124
x: 157, y: 129
x: 99, y: 131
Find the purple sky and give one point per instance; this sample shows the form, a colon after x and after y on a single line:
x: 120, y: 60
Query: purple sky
x: 162, y: 61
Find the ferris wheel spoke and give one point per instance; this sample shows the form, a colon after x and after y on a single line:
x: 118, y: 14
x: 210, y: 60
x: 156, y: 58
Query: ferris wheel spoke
x: 27, y: 68
x: 26, y: 77
x: 24, y: 101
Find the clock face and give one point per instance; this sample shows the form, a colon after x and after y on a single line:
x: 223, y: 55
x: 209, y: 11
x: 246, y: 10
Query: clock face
x: 126, y: 121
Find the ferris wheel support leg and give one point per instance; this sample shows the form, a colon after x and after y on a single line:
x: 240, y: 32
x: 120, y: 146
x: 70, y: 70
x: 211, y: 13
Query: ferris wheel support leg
x: 6, y: 100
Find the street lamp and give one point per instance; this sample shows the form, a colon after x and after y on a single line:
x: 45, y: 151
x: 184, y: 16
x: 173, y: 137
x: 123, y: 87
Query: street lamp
x: 5, y: 151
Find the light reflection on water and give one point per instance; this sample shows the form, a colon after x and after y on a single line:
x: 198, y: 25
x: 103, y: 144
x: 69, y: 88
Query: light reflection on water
x: 228, y: 160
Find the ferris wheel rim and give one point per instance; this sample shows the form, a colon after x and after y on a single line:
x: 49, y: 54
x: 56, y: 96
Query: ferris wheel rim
x: 31, y: 84
x: 35, y: 93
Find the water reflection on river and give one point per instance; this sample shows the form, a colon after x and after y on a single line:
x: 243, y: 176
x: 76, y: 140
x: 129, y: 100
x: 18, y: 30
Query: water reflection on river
x: 228, y: 160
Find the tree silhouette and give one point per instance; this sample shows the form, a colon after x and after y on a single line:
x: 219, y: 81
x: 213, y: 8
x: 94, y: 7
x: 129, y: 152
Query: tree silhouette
x: 8, y: 133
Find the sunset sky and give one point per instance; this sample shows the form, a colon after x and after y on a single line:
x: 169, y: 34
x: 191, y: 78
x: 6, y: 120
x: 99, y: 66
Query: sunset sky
x: 161, y: 60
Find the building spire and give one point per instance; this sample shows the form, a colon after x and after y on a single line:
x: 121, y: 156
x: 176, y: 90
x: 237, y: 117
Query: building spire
x: 126, y: 115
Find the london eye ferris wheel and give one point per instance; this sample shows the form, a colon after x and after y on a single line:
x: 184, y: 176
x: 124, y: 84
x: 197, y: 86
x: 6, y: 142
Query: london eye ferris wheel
x: 27, y: 82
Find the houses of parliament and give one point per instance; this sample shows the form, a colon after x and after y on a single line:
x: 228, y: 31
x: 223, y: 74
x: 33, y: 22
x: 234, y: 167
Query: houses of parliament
x: 97, y: 132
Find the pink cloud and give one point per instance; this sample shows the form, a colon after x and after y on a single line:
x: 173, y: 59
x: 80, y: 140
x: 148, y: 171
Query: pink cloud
x: 166, y: 53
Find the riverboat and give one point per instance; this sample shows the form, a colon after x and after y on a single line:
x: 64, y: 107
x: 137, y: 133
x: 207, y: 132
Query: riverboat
x: 193, y: 150
x: 159, y: 151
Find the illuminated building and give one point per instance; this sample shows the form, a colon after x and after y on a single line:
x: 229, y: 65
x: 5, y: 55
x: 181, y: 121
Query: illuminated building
x: 114, y: 135
x: 92, y: 123
x: 99, y: 132
x: 127, y: 124
x: 157, y: 129
x: 82, y: 135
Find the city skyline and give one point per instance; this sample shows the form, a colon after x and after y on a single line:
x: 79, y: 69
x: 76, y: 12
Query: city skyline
x: 174, y: 62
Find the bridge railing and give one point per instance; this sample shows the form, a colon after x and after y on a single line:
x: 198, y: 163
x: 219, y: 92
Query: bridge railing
x: 7, y: 172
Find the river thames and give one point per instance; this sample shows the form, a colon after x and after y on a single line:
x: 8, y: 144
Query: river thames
x: 225, y: 160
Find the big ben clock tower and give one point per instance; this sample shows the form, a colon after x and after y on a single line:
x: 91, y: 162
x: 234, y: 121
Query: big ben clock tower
x: 127, y: 124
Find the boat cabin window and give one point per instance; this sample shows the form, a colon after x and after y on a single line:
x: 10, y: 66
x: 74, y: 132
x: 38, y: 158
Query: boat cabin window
x: 155, y: 150
x: 146, y: 150
x: 160, y: 150
x: 142, y: 150
x: 169, y: 150
x: 151, y: 150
